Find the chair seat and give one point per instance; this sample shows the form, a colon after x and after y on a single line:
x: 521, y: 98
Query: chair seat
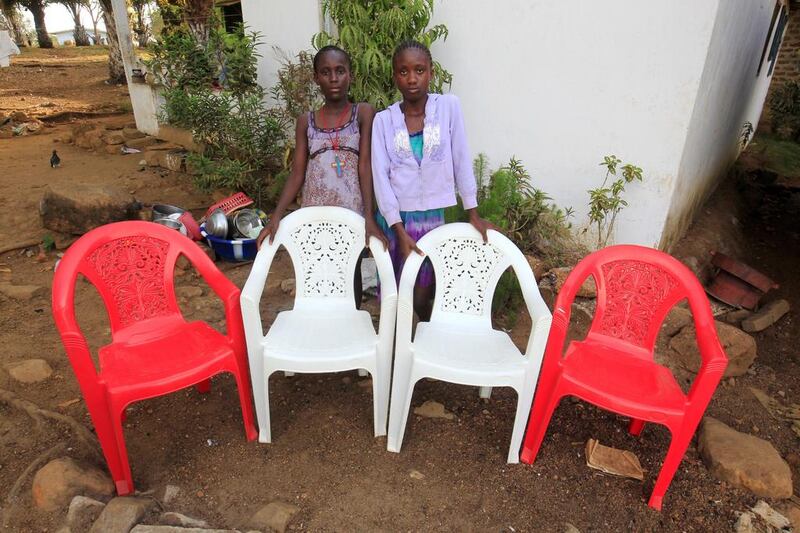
x: 317, y: 335
x: 618, y: 381
x: 180, y: 353
x: 483, y: 351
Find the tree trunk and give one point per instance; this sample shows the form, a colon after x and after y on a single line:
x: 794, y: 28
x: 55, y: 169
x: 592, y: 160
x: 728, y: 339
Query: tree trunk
x: 36, y: 8
x: 140, y: 27
x: 79, y: 33
x: 14, y: 26
x: 116, y: 68
x: 196, y: 14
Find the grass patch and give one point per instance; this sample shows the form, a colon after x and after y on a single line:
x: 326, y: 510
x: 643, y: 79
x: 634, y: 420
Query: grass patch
x: 777, y: 155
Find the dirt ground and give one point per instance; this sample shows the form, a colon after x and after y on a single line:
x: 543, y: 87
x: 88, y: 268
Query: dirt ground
x: 324, y: 458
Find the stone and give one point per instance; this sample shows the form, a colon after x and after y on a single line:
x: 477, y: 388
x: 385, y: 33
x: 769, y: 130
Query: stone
x: 744, y: 461
x: 537, y: 266
x: 121, y: 514
x: 766, y: 316
x: 77, y: 208
x: 275, y: 516
x: 288, y: 286
x: 19, y: 116
x: 66, y: 137
x: 22, y: 292
x: 738, y: 345
x: 141, y: 143
x: 770, y: 515
x: 142, y: 528
x: 677, y: 319
x: 132, y: 133
x: 163, y: 147
x: 181, y: 520
x: 30, y: 371
x: 190, y: 291
x: 170, y: 493
x: 113, y: 137
x: 172, y: 161
x: 153, y: 158
x: 60, y: 480
x: 791, y: 510
x: 735, y: 317
x: 560, y: 274
x: 180, y: 137
x: 83, y: 512
x: 6, y: 134
x: 113, y: 149
x: 416, y: 474
x: 569, y: 528
x: 432, y: 409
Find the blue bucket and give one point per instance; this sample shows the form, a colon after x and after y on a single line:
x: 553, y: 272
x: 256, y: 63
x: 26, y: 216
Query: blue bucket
x: 236, y: 250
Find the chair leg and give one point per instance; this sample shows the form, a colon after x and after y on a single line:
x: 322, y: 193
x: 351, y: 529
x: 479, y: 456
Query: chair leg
x: 245, y: 400
x: 524, y: 399
x: 380, y: 401
x: 124, y: 479
x: 204, y: 386
x: 261, y: 398
x: 104, y: 428
x: 542, y: 411
x: 398, y: 416
x: 636, y: 426
x: 485, y: 392
x: 675, y: 453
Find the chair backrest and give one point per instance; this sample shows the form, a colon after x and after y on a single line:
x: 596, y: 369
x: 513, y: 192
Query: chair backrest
x: 131, y: 264
x: 636, y: 288
x: 467, y: 271
x: 324, y: 244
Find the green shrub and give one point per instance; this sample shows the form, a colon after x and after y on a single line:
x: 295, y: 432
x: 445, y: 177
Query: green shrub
x: 784, y: 107
x: 296, y: 91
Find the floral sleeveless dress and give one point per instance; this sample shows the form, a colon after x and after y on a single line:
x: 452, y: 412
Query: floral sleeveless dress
x: 332, y: 174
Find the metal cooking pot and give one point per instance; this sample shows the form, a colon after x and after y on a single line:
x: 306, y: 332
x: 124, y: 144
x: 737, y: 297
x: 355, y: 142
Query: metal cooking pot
x: 172, y: 224
x: 217, y: 224
x: 165, y: 210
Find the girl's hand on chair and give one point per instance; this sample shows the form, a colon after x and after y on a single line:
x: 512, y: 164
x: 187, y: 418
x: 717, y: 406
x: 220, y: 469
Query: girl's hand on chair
x: 405, y: 242
x: 373, y: 230
x: 483, y: 226
x: 269, y: 231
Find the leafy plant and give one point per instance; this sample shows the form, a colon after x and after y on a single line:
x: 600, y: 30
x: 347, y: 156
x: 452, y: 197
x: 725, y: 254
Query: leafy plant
x: 784, y: 107
x: 370, y: 30
x: 605, y: 203
x: 296, y: 91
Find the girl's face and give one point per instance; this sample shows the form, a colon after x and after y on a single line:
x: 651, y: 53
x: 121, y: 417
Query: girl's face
x: 333, y: 75
x: 412, y: 73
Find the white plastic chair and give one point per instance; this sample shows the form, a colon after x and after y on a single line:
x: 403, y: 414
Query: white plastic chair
x: 458, y: 344
x: 324, y: 332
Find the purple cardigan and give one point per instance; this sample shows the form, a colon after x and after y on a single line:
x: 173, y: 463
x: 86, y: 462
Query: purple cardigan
x: 402, y: 184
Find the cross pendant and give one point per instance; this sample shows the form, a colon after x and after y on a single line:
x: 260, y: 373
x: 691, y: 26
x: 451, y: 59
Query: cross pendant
x: 338, y: 164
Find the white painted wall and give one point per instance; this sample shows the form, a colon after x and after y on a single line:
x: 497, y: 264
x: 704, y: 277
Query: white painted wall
x: 287, y: 24
x: 730, y: 94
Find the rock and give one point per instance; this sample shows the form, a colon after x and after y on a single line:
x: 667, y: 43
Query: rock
x: 153, y: 158
x: 744, y: 461
x: 77, y: 208
x: 57, y: 482
x: 170, y: 493
x: 178, y: 519
x: 537, y: 266
x: 766, y: 316
x: 83, y: 512
x: 172, y: 161
x: 6, y: 134
x: 121, y: 514
x: 735, y: 317
x: 22, y: 292
x: 677, y: 319
x: 416, y: 474
x: 66, y: 137
x: 432, y: 409
x: 569, y: 528
x: 791, y: 510
x: 95, y: 138
x: 164, y: 147
x: 587, y: 290
x: 113, y: 149
x: 275, y: 515
x: 738, y: 345
x: 30, y: 371
x: 288, y: 286
x: 770, y: 515
x: 19, y: 116
x: 113, y: 137
x: 142, y: 143
x: 190, y: 291
x: 180, y: 137
x: 142, y: 528
x: 132, y: 133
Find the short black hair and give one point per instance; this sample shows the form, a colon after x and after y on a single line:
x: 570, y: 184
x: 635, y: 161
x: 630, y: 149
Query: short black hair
x: 411, y: 43
x: 331, y: 48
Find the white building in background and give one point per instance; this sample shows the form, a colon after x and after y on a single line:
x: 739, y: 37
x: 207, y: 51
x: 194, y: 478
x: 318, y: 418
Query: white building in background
x: 68, y: 35
x: 665, y: 84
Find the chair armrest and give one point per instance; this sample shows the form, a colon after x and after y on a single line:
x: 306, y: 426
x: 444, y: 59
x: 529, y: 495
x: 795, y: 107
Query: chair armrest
x: 713, y: 358
x: 386, y: 326
x: 405, y: 305
x: 541, y: 318
x: 251, y: 297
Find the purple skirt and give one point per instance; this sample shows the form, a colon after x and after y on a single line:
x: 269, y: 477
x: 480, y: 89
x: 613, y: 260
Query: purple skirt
x: 417, y: 224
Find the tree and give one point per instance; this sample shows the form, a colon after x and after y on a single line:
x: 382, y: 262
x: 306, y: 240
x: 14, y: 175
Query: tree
x: 95, y: 12
x: 140, y: 25
x: 74, y: 8
x: 13, y: 21
x: 36, y: 7
x: 116, y: 68
x: 196, y: 14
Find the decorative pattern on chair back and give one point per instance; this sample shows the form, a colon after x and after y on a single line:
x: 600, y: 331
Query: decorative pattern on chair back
x: 325, y: 251
x: 636, y: 293
x: 466, y: 275
x: 130, y: 273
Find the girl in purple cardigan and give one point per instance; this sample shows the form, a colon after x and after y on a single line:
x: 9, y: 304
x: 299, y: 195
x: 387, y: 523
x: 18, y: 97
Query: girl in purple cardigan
x: 420, y: 158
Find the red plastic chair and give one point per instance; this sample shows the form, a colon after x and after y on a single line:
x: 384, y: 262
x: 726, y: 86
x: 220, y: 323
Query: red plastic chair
x: 154, y: 351
x: 613, y: 366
